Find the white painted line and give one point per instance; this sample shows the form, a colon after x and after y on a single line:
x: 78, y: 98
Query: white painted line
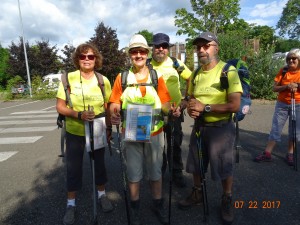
x: 5, y: 155
x: 49, y: 107
x: 19, y: 122
x: 19, y: 140
x: 34, y: 112
x: 20, y: 104
x: 27, y: 129
x: 29, y: 116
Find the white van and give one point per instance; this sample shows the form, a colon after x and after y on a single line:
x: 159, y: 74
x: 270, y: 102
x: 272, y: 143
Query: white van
x: 51, y: 81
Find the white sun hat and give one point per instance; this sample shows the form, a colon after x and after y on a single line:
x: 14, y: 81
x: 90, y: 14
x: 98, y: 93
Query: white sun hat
x: 138, y: 41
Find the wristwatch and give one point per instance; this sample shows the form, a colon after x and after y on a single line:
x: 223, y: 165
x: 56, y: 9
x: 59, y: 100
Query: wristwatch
x: 207, y: 108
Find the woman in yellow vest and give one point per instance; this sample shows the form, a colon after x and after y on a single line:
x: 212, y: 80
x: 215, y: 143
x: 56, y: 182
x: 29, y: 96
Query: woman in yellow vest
x: 139, y: 95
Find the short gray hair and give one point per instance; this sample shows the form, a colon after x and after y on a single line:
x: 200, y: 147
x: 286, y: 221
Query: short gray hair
x: 293, y: 52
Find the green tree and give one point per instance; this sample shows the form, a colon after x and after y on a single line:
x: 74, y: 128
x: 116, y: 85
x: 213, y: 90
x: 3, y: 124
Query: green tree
x: 289, y: 22
x: 67, y: 60
x: 4, y: 55
x: 42, y: 59
x: 207, y: 15
x: 265, y: 34
x: 105, y: 38
x: 285, y: 45
x: 147, y: 35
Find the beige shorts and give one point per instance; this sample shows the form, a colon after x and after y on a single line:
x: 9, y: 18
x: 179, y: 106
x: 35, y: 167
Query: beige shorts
x: 149, y: 155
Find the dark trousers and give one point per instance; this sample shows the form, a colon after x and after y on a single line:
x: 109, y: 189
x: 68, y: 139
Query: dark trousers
x: 178, y: 135
x: 75, y: 148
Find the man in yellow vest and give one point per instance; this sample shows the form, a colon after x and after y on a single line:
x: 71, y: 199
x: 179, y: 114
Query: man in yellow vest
x: 172, y: 70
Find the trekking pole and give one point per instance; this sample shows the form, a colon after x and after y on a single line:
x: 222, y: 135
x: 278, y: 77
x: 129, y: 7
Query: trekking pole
x: 62, y: 139
x: 171, y: 123
x: 123, y: 173
x: 92, y: 159
x: 201, y: 166
x: 237, y: 141
x: 294, y: 129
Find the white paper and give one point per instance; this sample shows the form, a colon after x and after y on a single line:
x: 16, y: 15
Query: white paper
x: 138, y: 123
x: 99, y: 134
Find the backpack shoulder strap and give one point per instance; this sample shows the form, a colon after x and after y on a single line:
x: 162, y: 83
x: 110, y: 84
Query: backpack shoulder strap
x: 154, y: 78
x: 124, y: 76
x: 195, y: 74
x: 101, y: 83
x: 284, y: 71
x: 67, y: 88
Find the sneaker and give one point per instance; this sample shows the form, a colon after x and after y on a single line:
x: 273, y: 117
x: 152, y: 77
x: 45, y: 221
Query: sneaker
x: 227, y: 210
x: 69, y: 217
x: 160, y: 211
x: 195, y: 198
x: 263, y: 157
x: 178, y: 180
x: 105, y: 203
x: 290, y: 159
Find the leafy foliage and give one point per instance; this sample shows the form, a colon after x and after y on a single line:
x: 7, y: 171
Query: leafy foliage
x: 105, y: 38
x: 42, y: 59
x: 283, y: 45
x: 212, y: 16
x: 67, y: 60
x: 147, y: 35
x: 289, y: 22
x: 4, y: 55
x: 265, y: 34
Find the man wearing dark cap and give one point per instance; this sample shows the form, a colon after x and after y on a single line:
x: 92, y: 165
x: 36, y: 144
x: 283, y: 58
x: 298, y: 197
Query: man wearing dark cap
x: 212, y: 108
x: 172, y: 70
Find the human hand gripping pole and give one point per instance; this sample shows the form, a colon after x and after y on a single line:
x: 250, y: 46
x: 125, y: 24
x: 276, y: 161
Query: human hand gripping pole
x: 92, y: 159
x: 122, y: 161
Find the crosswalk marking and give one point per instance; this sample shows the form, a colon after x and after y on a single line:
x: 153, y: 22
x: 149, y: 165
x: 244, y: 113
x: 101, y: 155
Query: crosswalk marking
x: 34, y: 112
x: 19, y: 140
x: 29, y: 116
x: 5, y: 155
x: 26, y: 129
x: 19, y: 122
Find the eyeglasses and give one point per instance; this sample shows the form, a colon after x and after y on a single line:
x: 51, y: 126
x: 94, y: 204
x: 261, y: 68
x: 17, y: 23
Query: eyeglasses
x: 292, y: 58
x: 164, y: 46
x: 135, y: 52
x: 90, y: 57
x: 205, y: 46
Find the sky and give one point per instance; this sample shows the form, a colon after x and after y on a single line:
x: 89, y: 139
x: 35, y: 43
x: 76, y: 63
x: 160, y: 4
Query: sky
x: 73, y: 21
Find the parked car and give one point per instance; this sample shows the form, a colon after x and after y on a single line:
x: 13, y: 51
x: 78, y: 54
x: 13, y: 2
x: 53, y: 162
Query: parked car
x: 51, y: 82
x: 20, y: 89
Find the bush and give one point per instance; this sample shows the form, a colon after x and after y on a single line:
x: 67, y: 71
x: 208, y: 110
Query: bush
x: 263, y: 69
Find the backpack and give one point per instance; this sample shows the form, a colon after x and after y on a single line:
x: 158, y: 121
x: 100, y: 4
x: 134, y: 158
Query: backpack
x: 153, y: 76
x: 243, y: 73
x: 67, y: 88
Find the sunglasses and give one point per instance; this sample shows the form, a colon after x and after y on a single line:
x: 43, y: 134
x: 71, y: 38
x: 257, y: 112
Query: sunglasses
x: 163, y: 46
x: 205, y: 46
x: 90, y: 57
x: 292, y: 58
x: 135, y: 52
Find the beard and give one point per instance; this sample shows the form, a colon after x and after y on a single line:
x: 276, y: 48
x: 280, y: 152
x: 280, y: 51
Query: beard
x: 205, y: 59
x: 159, y: 57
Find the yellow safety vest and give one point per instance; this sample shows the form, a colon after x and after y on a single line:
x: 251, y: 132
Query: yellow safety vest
x: 132, y: 94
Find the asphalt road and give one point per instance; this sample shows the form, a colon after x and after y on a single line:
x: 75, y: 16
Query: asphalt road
x: 32, y: 179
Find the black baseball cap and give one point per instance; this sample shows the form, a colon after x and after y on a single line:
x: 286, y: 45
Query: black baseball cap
x: 208, y: 36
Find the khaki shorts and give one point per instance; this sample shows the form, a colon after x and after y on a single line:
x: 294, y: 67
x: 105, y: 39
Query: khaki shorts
x: 139, y: 154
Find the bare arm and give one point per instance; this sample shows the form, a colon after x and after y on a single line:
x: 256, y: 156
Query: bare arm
x: 195, y: 107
